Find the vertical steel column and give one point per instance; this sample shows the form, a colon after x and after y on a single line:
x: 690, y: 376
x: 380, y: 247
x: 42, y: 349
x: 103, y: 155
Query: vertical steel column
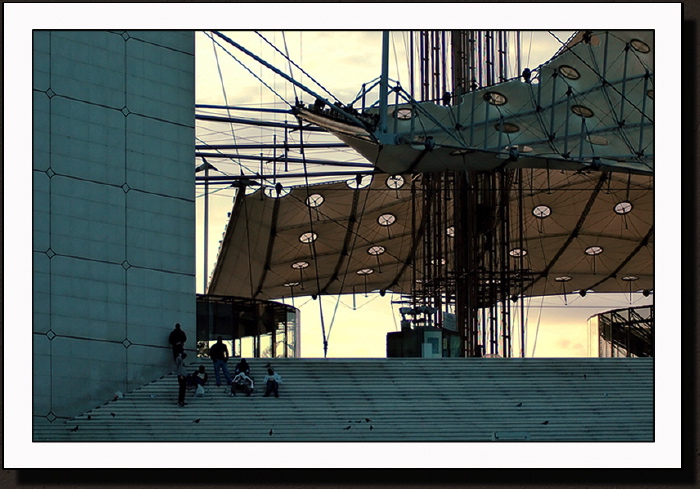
x: 521, y: 274
x: 519, y: 67
x: 466, y: 305
x: 427, y: 236
x: 490, y: 65
x: 411, y: 67
x: 478, y: 56
x: 414, y: 263
x: 504, y: 265
x: 424, y: 68
x: 206, y: 227
x: 459, y: 82
x: 502, y: 62
x: 443, y: 61
x: 471, y: 62
x: 384, y: 83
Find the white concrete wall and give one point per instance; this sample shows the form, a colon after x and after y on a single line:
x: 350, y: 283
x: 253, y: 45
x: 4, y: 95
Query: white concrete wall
x: 113, y: 212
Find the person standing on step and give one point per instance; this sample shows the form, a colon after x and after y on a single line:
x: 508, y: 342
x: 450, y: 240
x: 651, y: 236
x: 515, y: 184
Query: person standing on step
x: 181, y: 372
x: 272, y: 381
x: 177, y: 340
x: 219, y: 355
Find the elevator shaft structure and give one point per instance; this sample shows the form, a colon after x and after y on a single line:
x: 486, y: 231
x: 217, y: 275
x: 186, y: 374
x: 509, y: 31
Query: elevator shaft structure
x: 470, y: 269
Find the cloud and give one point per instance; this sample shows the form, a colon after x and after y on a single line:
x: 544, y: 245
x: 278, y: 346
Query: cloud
x: 571, y: 348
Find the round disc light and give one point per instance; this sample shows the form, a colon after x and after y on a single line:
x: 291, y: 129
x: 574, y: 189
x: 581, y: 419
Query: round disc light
x: 582, y: 111
x: 308, y: 237
x: 542, y: 211
x: 315, y: 200
x: 376, y: 250
x: 569, y: 72
x: 403, y: 114
x: 516, y: 252
x: 594, y: 250
x: 640, y: 46
x: 395, y: 181
x: 507, y: 127
x: 623, y: 207
x: 495, y: 98
x: 386, y: 219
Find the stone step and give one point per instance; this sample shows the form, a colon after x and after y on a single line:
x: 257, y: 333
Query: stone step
x: 405, y: 399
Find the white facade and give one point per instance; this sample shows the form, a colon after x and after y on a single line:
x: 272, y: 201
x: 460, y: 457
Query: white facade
x: 113, y: 212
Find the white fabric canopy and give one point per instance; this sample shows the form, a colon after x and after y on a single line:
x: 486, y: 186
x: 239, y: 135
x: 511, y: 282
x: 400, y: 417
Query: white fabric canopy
x: 591, y: 106
x: 263, y: 253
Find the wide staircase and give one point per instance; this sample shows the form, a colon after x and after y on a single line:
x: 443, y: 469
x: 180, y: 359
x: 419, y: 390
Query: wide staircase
x: 389, y: 400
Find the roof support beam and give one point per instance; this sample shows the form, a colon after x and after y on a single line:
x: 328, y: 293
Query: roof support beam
x: 256, y: 122
x: 271, y: 146
x: 289, y: 160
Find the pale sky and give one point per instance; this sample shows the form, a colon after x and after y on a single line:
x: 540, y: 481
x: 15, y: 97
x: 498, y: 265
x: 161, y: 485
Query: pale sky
x: 341, y: 61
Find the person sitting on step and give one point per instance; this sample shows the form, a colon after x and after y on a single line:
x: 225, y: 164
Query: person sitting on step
x: 198, y: 378
x: 242, y: 367
x: 243, y: 383
x: 272, y: 381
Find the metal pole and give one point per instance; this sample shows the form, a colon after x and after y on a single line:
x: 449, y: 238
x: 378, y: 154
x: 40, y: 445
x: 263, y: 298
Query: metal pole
x: 384, y: 85
x: 521, y: 231
x: 206, y: 226
x: 517, y: 50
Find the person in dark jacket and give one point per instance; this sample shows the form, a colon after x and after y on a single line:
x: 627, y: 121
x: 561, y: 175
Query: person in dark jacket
x: 198, y: 378
x: 219, y: 355
x: 242, y: 367
x: 177, y: 340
